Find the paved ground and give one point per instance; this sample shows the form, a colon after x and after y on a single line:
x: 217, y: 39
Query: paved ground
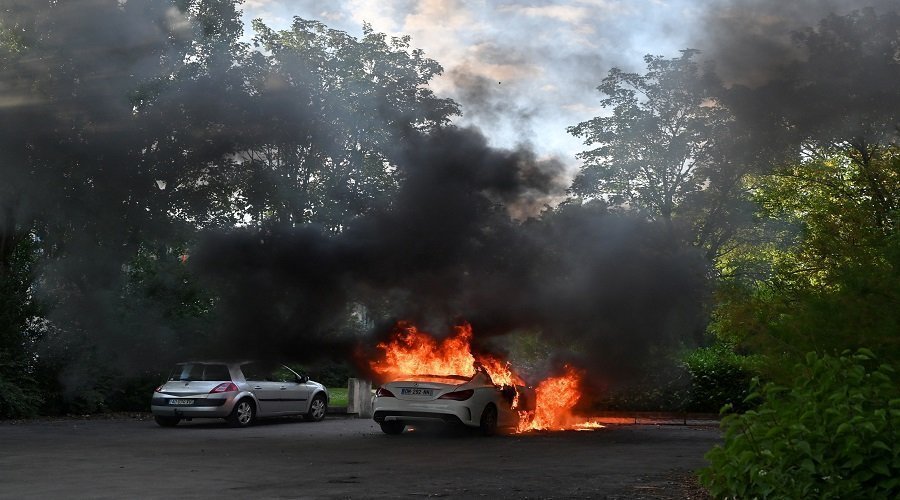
x: 342, y: 458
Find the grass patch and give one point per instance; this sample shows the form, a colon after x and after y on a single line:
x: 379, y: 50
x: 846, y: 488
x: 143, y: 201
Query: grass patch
x: 337, y: 397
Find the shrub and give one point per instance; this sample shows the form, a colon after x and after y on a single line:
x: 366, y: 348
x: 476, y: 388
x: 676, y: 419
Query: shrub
x: 328, y: 373
x: 834, y: 434
x: 19, y: 393
x: 719, y: 376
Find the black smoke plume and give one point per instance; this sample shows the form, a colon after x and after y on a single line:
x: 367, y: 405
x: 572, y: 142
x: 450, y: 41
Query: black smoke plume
x: 815, y: 71
x: 445, y: 249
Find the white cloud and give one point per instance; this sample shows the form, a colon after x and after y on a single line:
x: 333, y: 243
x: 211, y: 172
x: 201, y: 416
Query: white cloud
x: 564, y: 13
x: 382, y: 15
x: 549, y: 55
x: 259, y: 4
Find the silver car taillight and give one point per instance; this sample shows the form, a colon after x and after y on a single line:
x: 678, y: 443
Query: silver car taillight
x: 224, y: 387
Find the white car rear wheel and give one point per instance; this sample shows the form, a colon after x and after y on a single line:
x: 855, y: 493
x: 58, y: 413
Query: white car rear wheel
x: 489, y: 420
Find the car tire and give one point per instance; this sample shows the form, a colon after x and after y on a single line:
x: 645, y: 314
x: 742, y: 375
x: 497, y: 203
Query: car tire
x: 166, y: 421
x: 392, y: 427
x: 243, y: 414
x: 317, y: 408
x: 489, y: 420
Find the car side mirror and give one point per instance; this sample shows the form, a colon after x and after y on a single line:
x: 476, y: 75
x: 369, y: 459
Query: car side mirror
x: 302, y: 379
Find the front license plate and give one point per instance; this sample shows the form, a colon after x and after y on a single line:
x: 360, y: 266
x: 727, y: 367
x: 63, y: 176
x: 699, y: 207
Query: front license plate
x: 414, y: 391
x: 181, y: 402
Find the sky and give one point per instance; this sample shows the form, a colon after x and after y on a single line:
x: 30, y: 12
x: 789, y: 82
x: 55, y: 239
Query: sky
x: 522, y: 71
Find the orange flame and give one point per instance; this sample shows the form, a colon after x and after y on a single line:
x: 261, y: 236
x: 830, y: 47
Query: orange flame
x: 413, y: 352
x: 556, y: 396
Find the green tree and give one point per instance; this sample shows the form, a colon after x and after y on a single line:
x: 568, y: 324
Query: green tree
x: 817, y: 269
x: 356, y: 99
x: 823, y: 274
x: 126, y: 127
x: 662, y: 150
x: 19, y: 391
x: 832, y: 434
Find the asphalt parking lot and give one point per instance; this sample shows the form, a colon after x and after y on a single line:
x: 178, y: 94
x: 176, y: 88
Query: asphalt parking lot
x: 342, y: 458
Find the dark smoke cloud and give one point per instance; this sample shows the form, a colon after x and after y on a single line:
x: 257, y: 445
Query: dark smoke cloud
x: 822, y: 71
x: 752, y: 41
x: 445, y: 249
x: 488, y: 102
x: 79, y: 166
x: 69, y: 154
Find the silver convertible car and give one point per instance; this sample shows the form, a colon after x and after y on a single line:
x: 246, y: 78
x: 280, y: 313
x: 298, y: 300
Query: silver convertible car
x: 237, y: 392
x: 471, y: 401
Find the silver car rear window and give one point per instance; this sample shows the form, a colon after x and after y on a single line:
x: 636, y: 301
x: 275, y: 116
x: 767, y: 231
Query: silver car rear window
x: 200, y: 372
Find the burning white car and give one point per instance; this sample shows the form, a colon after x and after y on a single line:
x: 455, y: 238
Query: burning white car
x: 473, y: 401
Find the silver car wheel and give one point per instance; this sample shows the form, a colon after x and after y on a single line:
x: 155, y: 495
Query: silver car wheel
x: 317, y: 408
x: 244, y: 413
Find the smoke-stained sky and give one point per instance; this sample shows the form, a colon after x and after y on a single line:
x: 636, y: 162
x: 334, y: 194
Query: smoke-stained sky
x: 526, y: 70
x: 523, y: 71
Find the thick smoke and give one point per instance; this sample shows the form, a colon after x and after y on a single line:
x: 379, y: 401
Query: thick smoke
x: 71, y: 172
x: 753, y: 42
x: 446, y: 249
x: 816, y: 70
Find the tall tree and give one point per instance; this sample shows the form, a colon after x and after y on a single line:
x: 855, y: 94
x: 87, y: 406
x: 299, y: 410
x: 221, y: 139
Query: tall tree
x: 127, y: 126
x: 327, y: 157
x: 661, y: 147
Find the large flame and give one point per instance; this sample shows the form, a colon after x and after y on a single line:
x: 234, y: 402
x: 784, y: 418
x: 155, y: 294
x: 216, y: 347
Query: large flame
x: 556, y: 396
x: 413, y: 352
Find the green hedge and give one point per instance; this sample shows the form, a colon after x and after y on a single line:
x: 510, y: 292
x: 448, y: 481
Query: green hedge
x: 835, y: 433
x: 718, y: 377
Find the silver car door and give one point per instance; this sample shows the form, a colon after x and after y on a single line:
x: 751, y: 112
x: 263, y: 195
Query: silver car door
x: 294, y: 394
x: 266, y: 390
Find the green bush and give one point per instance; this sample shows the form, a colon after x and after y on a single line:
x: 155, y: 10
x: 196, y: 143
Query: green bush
x: 719, y: 376
x: 834, y: 434
x: 19, y: 393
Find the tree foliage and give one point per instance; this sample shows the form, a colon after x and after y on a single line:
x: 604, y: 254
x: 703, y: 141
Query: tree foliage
x: 655, y: 146
x: 832, y: 434
x: 127, y: 127
x: 822, y: 274
x: 330, y: 159
x: 665, y: 149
